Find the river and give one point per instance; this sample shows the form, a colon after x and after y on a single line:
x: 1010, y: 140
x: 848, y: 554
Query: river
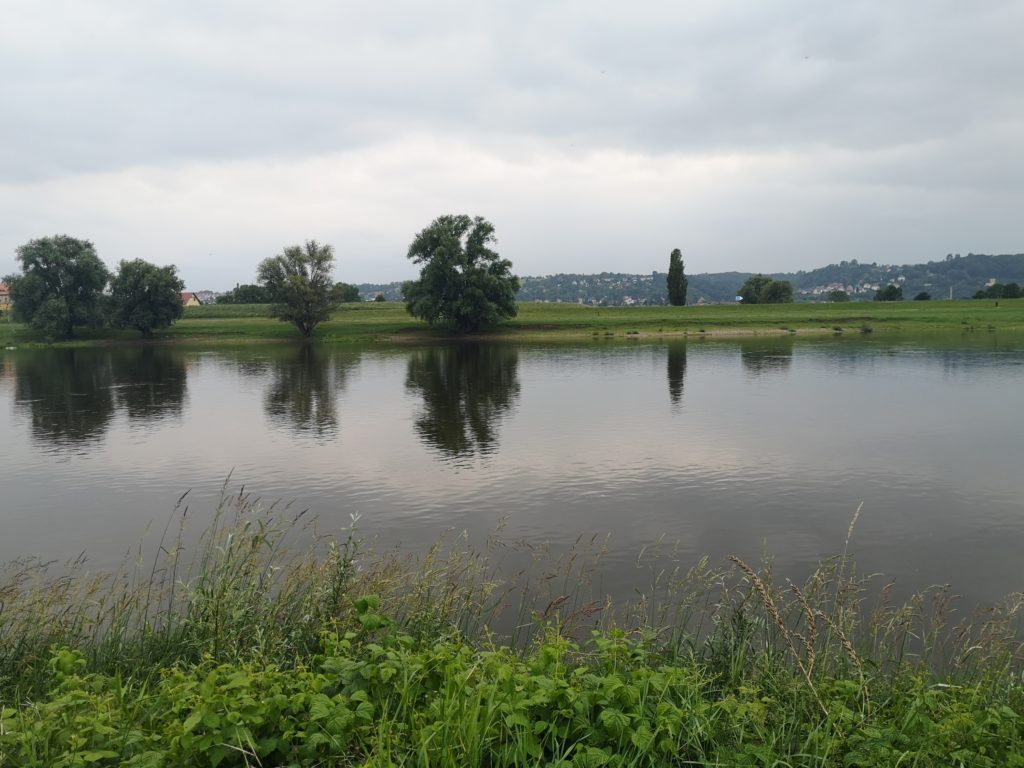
x: 753, y: 447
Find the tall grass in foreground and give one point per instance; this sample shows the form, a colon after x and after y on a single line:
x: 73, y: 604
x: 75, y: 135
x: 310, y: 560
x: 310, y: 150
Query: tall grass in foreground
x: 257, y: 651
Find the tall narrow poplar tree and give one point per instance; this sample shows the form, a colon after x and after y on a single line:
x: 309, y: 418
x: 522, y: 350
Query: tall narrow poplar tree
x: 676, y: 279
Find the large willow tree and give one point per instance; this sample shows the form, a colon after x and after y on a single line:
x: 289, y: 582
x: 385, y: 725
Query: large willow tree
x: 463, y: 283
x: 300, y: 282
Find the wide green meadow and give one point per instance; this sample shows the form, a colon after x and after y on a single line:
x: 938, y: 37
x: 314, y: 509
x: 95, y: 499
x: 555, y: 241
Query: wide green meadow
x: 388, y: 321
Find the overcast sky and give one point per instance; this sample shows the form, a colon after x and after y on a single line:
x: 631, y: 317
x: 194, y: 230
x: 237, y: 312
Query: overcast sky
x: 775, y: 135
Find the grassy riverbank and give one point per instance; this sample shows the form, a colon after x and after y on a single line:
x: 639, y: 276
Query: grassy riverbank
x: 372, y: 322
x: 331, y: 656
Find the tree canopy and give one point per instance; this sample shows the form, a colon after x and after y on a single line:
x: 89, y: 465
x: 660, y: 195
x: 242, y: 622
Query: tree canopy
x: 889, y: 293
x: 999, y: 291
x: 761, y: 289
x: 246, y: 294
x: 145, y: 297
x: 346, y: 293
x: 299, y: 280
x: 60, y: 286
x: 463, y: 283
x: 676, y: 279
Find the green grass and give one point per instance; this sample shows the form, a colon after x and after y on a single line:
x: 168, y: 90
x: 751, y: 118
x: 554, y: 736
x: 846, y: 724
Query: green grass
x: 329, y: 655
x: 565, y: 319
x: 371, y: 322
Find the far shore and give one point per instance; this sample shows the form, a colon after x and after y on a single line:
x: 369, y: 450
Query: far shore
x: 388, y: 322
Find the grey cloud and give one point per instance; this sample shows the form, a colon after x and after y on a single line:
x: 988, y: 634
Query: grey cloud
x: 767, y: 134
x: 167, y: 82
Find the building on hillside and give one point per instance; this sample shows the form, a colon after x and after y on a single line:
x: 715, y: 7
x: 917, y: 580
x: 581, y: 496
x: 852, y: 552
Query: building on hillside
x: 189, y: 299
x: 5, y: 297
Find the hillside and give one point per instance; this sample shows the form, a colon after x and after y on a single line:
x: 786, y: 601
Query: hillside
x: 962, y: 274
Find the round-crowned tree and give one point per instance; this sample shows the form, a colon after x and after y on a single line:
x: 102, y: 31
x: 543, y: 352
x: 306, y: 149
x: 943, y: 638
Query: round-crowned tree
x: 145, y: 297
x: 463, y: 283
x: 299, y: 282
x: 60, y: 286
x: 761, y: 289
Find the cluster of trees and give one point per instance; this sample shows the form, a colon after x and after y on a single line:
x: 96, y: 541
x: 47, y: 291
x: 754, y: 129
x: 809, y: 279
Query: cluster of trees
x: 463, y: 283
x: 344, y: 293
x: 246, y: 293
x: 761, y: 289
x: 1000, y: 291
x: 889, y: 293
x: 64, y: 285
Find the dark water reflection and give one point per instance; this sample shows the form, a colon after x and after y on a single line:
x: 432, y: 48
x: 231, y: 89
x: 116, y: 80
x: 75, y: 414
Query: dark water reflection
x: 760, y: 356
x: 67, y: 394
x: 149, y: 384
x: 676, y: 357
x: 72, y: 395
x: 304, y: 388
x: 764, y: 444
x: 466, y: 389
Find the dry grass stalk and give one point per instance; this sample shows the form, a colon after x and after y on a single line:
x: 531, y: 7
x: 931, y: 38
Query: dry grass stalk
x: 812, y: 628
x: 773, y: 611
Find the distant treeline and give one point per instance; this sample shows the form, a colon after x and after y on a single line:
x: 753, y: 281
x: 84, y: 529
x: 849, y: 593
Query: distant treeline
x: 260, y: 294
x: 965, y: 275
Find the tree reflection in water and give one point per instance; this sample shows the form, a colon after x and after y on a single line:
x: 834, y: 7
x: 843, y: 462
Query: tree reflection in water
x: 676, y: 371
x: 768, y: 355
x: 303, y: 393
x: 466, y: 389
x: 67, y: 394
x: 71, y: 395
x: 150, y: 384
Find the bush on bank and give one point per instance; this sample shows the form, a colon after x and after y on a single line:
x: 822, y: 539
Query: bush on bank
x: 400, y: 701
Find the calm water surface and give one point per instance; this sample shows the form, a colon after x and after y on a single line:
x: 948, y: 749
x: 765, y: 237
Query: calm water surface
x: 745, y: 447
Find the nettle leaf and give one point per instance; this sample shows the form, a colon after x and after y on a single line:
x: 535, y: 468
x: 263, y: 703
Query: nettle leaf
x: 642, y: 737
x: 341, y: 722
x: 148, y: 759
x: 320, y: 708
x: 591, y: 757
x: 367, y: 603
x: 193, y: 720
x: 614, y: 720
x: 517, y: 718
x: 95, y: 755
x: 237, y: 680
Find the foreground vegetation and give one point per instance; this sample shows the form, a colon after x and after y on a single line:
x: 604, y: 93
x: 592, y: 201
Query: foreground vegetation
x: 254, y: 656
x: 388, y: 321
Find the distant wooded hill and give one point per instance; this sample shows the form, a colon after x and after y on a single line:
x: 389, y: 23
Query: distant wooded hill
x: 962, y: 274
